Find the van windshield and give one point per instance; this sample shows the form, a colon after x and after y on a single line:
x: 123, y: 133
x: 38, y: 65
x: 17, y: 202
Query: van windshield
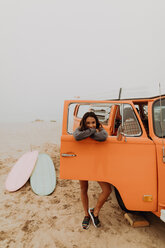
x: 159, y: 118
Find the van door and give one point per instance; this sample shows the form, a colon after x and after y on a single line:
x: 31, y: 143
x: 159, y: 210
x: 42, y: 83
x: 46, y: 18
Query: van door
x: 157, y: 132
x: 129, y: 164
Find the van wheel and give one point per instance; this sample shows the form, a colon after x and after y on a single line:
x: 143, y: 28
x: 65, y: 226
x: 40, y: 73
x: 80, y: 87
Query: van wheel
x: 120, y: 202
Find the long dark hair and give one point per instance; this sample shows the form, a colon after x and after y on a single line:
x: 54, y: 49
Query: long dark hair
x: 83, y: 127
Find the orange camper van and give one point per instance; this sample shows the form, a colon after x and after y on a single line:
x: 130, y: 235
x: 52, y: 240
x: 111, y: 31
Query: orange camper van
x: 132, y: 159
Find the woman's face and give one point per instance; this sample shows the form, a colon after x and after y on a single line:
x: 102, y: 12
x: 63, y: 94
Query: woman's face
x: 90, y: 122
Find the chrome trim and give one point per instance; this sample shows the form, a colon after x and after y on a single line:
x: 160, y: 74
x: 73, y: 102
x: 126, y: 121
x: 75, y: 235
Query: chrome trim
x: 68, y: 155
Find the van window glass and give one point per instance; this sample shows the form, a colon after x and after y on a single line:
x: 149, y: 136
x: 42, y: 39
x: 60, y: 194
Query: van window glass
x: 130, y: 123
x: 145, y: 111
x: 110, y: 115
x: 159, y: 118
x: 102, y: 110
x: 82, y: 110
x: 70, y: 123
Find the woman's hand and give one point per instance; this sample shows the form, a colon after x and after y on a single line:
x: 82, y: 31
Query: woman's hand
x: 98, y: 129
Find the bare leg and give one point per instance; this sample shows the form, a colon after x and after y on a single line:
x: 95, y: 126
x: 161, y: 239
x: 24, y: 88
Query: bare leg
x: 106, y: 190
x: 84, y: 196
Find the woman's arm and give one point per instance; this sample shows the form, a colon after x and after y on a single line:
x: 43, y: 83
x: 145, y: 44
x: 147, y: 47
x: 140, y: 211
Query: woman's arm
x: 101, y: 135
x: 80, y: 135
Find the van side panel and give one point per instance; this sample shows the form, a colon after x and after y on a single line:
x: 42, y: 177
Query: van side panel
x: 130, y: 166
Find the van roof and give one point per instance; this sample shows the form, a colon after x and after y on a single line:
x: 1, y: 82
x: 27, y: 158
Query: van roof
x: 136, y: 98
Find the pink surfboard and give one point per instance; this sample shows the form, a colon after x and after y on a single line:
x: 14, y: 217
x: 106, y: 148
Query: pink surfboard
x: 21, y: 171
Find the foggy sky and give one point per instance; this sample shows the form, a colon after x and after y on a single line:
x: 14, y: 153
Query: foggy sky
x: 55, y: 50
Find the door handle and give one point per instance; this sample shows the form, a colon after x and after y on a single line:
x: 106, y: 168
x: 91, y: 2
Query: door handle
x: 68, y: 155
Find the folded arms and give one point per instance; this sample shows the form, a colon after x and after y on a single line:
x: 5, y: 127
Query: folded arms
x: 98, y: 135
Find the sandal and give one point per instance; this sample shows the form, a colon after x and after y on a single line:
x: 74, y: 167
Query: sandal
x: 86, y: 222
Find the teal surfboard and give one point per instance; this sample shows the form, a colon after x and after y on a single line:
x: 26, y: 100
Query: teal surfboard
x: 43, y: 178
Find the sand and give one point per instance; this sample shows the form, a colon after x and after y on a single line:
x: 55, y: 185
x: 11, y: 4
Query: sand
x: 31, y: 221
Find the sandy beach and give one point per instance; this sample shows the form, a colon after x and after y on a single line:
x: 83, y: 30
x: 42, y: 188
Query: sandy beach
x: 31, y: 221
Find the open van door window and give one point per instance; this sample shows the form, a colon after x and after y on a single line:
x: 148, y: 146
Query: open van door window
x: 159, y: 118
x: 76, y: 112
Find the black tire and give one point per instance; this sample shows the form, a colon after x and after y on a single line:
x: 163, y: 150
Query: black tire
x: 121, y: 203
